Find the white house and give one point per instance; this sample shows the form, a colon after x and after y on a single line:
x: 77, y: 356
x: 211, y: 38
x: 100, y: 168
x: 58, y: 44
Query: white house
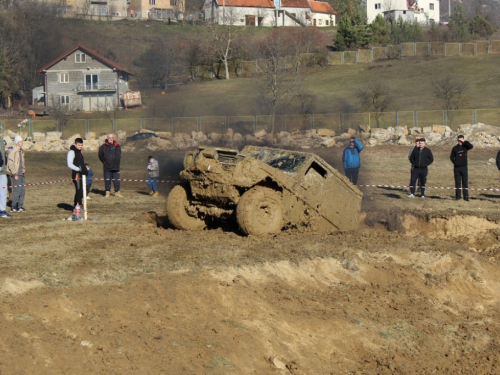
x: 423, y: 11
x: 270, y: 13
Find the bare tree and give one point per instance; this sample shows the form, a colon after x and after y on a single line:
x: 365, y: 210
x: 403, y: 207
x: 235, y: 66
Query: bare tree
x: 278, y: 82
x: 61, y: 112
x: 452, y: 92
x: 222, y: 37
x: 375, y: 98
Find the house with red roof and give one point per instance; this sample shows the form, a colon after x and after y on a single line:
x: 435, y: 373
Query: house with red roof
x: 270, y: 13
x: 82, y: 79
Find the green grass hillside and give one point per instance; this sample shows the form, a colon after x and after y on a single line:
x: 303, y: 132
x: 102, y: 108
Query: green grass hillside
x: 332, y: 88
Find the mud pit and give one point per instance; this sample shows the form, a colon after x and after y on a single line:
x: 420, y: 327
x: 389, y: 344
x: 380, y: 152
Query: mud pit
x: 414, y: 290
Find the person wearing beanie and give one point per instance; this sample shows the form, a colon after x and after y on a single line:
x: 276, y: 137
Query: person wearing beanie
x: 16, y: 169
x: 3, y: 181
x: 76, y: 163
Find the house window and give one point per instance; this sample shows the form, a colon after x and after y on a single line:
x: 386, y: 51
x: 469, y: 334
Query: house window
x: 320, y: 22
x: 378, y: 6
x: 64, y: 99
x: 326, y: 22
x: 80, y: 58
x: 92, y: 81
x: 152, y: 2
x: 63, y: 77
x: 173, y: 3
x: 431, y: 6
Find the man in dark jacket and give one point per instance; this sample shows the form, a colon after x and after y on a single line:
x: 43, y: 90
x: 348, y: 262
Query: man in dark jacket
x: 76, y: 163
x: 420, y: 158
x: 110, y: 154
x: 459, y: 159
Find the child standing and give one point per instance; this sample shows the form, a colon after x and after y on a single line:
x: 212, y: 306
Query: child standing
x: 154, y: 174
x: 90, y: 173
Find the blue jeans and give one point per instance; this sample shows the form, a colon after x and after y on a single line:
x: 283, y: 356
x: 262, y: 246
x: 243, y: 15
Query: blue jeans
x: 112, y: 175
x: 153, y: 183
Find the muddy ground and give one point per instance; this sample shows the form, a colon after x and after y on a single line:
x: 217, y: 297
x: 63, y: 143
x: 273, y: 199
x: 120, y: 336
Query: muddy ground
x: 415, y: 290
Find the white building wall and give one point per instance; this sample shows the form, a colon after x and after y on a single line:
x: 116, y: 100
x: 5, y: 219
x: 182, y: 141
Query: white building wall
x: 322, y: 19
x: 429, y: 9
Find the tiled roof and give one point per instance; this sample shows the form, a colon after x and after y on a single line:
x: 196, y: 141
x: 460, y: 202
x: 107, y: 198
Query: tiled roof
x: 89, y: 52
x: 294, y: 4
x: 321, y: 7
x: 246, y: 3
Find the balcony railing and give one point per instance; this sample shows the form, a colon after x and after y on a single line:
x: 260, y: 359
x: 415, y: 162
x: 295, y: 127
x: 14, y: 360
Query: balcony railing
x: 96, y: 87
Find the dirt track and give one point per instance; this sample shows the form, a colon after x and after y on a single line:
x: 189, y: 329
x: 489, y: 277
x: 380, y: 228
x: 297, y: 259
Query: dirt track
x: 413, y: 291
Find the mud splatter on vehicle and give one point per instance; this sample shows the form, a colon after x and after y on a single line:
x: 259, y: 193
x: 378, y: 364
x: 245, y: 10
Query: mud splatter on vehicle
x: 265, y: 189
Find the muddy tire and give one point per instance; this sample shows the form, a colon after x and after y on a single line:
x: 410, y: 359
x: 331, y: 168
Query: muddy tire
x: 260, y: 211
x: 177, y: 210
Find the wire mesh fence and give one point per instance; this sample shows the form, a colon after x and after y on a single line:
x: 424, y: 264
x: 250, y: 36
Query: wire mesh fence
x: 339, y: 122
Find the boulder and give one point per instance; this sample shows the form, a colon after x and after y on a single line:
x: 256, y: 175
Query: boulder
x: 164, y: 134
x: 199, y: 136
x: 261, y: 133
x: 328, y: 142
x: 427, y: 129
x: 441, y: 129
x: 90, y: 136
x: 121, y: 135
x: 237, y: 137
x: 352, y: 132
x: 326, y: 132
x: 230, y: 133
x: 53, y: 136
x: 363, y: 128
x: 38, y: 137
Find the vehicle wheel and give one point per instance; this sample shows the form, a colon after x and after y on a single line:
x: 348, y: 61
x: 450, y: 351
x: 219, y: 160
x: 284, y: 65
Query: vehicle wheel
x: 177, y: 213
x: 260, y: 211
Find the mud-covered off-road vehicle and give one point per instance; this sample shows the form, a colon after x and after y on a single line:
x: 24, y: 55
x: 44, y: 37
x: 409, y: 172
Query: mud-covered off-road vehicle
x: 265, y: 189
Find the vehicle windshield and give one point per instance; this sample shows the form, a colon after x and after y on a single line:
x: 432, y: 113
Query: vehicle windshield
x: 287, y: 161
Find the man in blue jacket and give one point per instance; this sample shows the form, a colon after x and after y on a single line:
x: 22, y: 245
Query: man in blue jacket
x: 351, y: 161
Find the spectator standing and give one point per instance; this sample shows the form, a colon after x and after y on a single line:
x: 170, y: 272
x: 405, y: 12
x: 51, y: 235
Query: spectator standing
x: 76, y: 163
x: 110, y: 154
x: 3, y: 182
x: 154, y: 175
x: 420, y: 158
x: 90, y: 174
x: 16, y: 169
x: 351, y: 160
x: 458, y: 157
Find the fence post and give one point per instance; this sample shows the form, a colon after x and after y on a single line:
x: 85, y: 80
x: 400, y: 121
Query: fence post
x: 312, y: 120
x: 87, y: 127
x: 445, y: 120
x: 171, y: 126
x: 283, y: 123
x: 340, y: 122
x: 474, y: 116
x: 142, y: 122
x: 199, y: 124
x: 397, y: 122
x: 444, y: 49
x: 31, y: 127
x: 429, y: 50
x: 2, y: 123
x: 415, y: 121
x: 342, y: 58
x: 114, y: 125
x: 254, y: 124
x: 371, y: 54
